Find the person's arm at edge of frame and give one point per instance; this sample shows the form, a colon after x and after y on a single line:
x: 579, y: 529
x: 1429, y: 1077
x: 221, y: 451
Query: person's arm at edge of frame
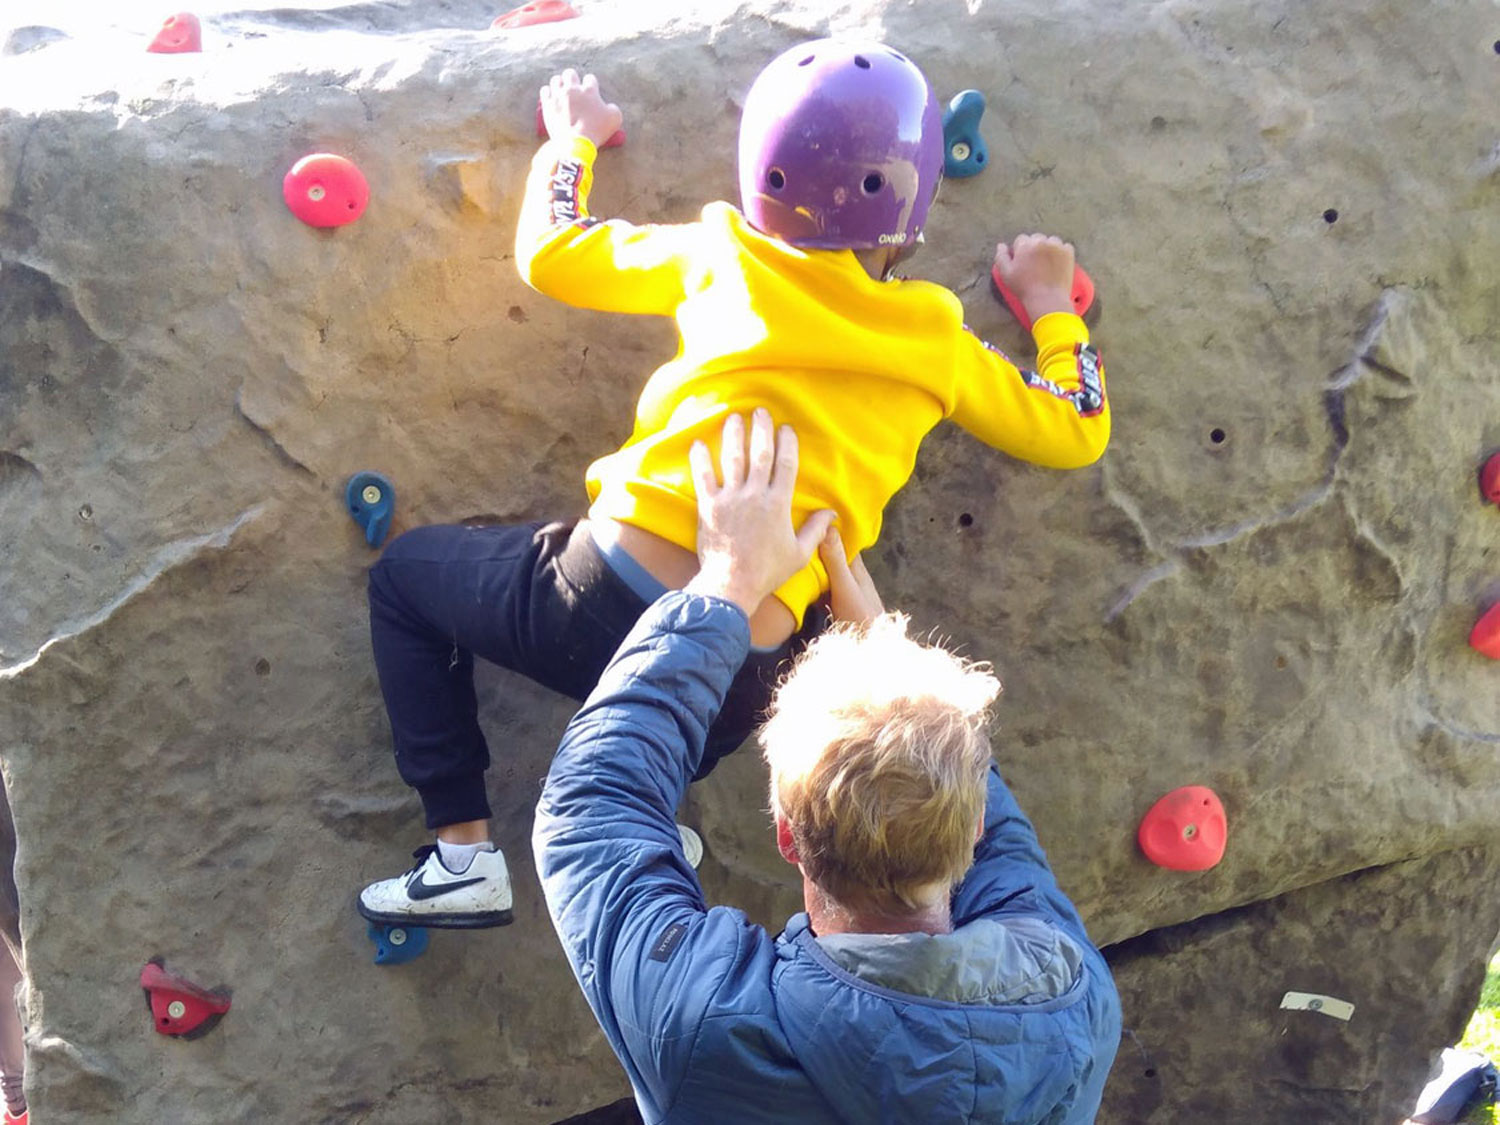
x: 563, y: 251
x: 627, y: 906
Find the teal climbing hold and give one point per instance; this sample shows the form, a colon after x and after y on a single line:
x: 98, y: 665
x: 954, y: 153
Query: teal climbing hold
x: 964, y: 150
x: 371, y: 500
x: 396, y: 945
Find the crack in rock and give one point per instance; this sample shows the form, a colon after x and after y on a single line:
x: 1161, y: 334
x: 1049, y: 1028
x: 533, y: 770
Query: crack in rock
x: 1429, y: 712
x: 281, y: 452
x: 1333, y: 404
x: 1138, y: 587
x: 166, y: 558
x: 16, y: 472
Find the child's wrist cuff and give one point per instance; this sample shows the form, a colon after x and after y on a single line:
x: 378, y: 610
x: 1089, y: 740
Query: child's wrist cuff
x: 1059, y: 328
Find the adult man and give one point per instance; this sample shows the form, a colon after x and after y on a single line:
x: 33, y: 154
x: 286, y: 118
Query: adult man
x: 931, y: 979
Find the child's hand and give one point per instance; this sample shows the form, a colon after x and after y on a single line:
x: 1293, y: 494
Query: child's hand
x: 851, y: 590
x: 574, y: 107
x: 1038, y: 269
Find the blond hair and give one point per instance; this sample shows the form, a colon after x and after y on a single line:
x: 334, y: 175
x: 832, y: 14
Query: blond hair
x: 878, y: 750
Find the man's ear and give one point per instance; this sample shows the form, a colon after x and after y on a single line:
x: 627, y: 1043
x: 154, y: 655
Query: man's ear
x: 784, y: 842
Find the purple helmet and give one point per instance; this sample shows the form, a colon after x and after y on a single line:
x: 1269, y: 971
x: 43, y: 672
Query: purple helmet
x: 841, y: 147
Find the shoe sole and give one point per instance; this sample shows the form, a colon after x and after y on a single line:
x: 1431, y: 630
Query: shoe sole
x: 471, y: 921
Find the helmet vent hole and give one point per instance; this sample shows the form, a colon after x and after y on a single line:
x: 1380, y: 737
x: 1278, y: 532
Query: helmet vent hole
x: 861, y: 62
x: 898, y: 57
x: 873, y: 183
x: 807, y: 60
x: 776, y: 178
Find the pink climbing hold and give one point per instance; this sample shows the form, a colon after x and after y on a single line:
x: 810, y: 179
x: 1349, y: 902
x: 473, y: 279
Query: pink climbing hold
x: 1185, y: 830
x: 1489, y: 479
x: 1083, y: 295
x: 1485, y: 636
x: 324, y: 190
x: 179, y: 35
x: 616, y: 139
x: 535, y: 12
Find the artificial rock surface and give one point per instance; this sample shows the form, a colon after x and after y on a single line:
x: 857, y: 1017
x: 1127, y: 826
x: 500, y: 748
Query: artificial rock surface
x: 1290, y: 209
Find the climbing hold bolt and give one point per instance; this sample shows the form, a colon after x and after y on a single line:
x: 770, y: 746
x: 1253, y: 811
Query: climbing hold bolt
x: 396, y: 945
x: 179, y: 1007
x: 1083, y: 295
x: 964, y: 150
x: 179, y: 35
x: 324, y: 190
x: 1185, y: 830
x: 371, y: 500
x: 1489, y: 479
x: 1485, y: 636
x: 616, y: 139
x: 537, y: 11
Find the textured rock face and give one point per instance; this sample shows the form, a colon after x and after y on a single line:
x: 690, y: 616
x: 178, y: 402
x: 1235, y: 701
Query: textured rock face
x: 1291, y: 213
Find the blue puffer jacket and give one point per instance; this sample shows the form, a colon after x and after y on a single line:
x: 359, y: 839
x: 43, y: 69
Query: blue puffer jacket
x: 717, y: 1022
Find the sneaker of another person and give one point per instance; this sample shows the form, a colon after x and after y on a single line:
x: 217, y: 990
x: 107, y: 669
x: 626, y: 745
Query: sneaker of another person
x: 431, y: 895
x: 692, y: 845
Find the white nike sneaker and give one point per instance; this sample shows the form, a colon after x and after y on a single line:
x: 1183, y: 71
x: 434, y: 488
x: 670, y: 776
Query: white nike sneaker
x: 692, y: 845
x: 431, y: 895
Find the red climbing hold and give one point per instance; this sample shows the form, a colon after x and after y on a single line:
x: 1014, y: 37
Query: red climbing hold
x: 1185, y: 830
x: 179, y: 1007
x: 616, y: 139
x: 537, y: 11
x: 324, y: 190
x: 1083, y: 295
x: 1489, y: 479
x: 179, y: 35
x: 1485, y: 636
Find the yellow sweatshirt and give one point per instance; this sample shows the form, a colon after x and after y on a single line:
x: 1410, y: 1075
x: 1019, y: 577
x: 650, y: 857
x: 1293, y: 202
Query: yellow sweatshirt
x: 861, y: 369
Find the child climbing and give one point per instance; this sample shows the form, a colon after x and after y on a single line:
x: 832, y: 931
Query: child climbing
x: 787, y: 305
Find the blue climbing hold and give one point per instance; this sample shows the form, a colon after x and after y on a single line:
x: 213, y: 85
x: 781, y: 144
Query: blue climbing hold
x: 372, y: 502
x: 964, y: 150
x: 396, y: 945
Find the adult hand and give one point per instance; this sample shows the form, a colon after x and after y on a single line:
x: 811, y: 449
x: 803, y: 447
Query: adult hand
x: 747, y: 546
x: 1038, y: 269
x: 851, y: 590
x: 574, y: 107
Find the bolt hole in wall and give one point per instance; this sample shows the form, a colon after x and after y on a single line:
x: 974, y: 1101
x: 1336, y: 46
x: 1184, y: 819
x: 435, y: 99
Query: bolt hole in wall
x: 1218, y: 436
x: 1330, y: 216
x: 965, y: 520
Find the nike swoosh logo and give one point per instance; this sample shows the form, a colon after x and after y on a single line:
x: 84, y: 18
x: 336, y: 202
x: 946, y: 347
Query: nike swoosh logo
x: 419, y: 890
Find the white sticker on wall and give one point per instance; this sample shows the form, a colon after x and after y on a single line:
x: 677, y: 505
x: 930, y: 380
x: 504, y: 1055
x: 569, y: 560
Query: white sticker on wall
x: 1312, y: 1002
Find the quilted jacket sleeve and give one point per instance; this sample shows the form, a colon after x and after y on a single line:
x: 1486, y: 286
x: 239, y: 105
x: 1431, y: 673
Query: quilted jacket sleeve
x: 648, y: 954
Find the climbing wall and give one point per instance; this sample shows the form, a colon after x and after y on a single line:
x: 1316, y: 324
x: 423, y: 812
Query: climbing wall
x: 1266, y: 587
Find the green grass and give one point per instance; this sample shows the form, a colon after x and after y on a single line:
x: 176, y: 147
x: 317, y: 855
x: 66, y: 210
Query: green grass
x: 1483, y: 1035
